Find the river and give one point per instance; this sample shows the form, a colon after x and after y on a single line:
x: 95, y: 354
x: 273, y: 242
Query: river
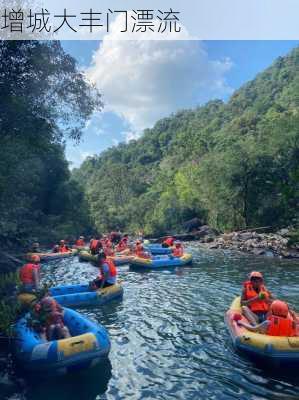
x: 169, y: 339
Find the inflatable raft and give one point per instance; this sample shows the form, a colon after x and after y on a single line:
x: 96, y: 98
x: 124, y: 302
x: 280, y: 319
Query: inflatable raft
x: 88, y: 345
x: 118, y: 260
x: 81, y: 295
x: 52, y: 256
x: 161, y: 262
x: 272, y: 350
x: 80, y: 248
x: 157, y: 249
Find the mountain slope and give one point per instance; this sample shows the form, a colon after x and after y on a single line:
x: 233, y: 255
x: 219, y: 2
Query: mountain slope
x: 233, y: 165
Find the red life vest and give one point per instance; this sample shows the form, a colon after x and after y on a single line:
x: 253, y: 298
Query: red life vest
x: 178, y: 251
x: 139, y: 252
x: 169, y: 241
x: 94, y: 244
x: 26, y: 273
x: 63, y: 249
x: 279, y: 326
x: 122, y: 245
x: 258, y: 305
x: 80, y: 242
x: 112, y: 269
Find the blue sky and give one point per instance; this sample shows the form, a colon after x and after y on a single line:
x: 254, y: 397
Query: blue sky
x: 144, y: 81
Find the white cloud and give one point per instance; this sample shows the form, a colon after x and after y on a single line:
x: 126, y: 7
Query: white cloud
x: 130, y: 135
x: 115, y: 142
x: 84, y: 154
x: 99, y: 131
x: 143, y: 81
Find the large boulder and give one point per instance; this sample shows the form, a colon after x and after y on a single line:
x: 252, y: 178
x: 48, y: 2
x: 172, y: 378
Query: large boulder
x: 192, y: 225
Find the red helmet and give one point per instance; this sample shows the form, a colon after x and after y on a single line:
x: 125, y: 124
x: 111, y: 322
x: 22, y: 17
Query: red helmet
x: 35, y: 258
x: 255, y: 274
x: 279, y: 308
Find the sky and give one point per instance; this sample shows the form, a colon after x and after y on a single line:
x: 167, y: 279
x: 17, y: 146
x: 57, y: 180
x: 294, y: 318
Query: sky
x: 144, y: 81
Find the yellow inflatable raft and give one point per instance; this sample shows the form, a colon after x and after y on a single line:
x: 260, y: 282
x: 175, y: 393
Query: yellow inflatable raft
x: 275, y: 350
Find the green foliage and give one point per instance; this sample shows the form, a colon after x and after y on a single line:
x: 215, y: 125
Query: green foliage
x: 9, y: 308
x: 233, y: 165
x: 44, y: 100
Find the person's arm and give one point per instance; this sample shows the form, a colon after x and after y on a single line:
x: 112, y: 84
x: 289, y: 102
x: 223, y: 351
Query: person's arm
x: 260, y: 328
x: 245, y: 302
x: 35, y: 274
x: 294, y: 316
x: 105, y: 275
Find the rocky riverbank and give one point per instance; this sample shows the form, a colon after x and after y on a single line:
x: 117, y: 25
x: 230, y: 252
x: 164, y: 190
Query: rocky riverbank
x: 282, y: 243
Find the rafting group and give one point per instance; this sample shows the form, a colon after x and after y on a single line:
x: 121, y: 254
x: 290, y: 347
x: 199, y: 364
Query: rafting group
x: 53, y: 337
x: 260, y: 325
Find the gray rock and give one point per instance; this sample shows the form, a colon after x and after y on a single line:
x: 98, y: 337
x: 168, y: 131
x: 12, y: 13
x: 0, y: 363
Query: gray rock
x: 246, y: 235
x: 283, y: 232
x: 258, y: 252
x: 209, y: 239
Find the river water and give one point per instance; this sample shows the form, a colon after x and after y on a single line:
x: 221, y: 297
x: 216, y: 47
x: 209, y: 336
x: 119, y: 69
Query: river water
x: 169, y: 339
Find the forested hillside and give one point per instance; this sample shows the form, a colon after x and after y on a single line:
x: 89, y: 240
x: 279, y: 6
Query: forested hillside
x: 44, y: 100
x: 233, y: 165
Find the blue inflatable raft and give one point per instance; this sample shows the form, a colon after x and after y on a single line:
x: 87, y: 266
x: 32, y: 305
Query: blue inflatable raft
x: 157, y: 249
x: 157, y: 262
x: 88, y: 345
x: 81, y: 295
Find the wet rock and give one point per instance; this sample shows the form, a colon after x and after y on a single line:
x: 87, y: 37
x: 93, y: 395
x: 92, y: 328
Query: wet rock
x: 209, y: 239
x: 246, y: 235
x: 258, y: 252
x: 228, y: 236
x: 213, y: 246
x: 192, y: 224
x: 285, y: 254
x: 283, y: 232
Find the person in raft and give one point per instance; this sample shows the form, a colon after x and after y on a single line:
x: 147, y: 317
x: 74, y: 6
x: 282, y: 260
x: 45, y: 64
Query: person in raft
x: 178, y: 250
x: 123, y: 244
x: 108, y: 273
x: 168, y: 242
x: 108, y: 250
x: 255, y: 299
x: 63, y: 248
x: 80, y: 242
x: 281, y: 321
x: 35, y: 248
x: 48, y: 319
x: 29, y: 275
x: 95, y: 245
x: 139, y: 251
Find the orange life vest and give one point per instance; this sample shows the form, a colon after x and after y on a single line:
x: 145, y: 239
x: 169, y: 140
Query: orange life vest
x: 63, y: 249
x: 169, y: 241
x: 281, y: 326
x: 93, y: 244
x: 112, y: 269
x: 178, y: 251
x: 26, y: 273
x: 141, y: 253
x: 258, y: 305
x: 80, y: 242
